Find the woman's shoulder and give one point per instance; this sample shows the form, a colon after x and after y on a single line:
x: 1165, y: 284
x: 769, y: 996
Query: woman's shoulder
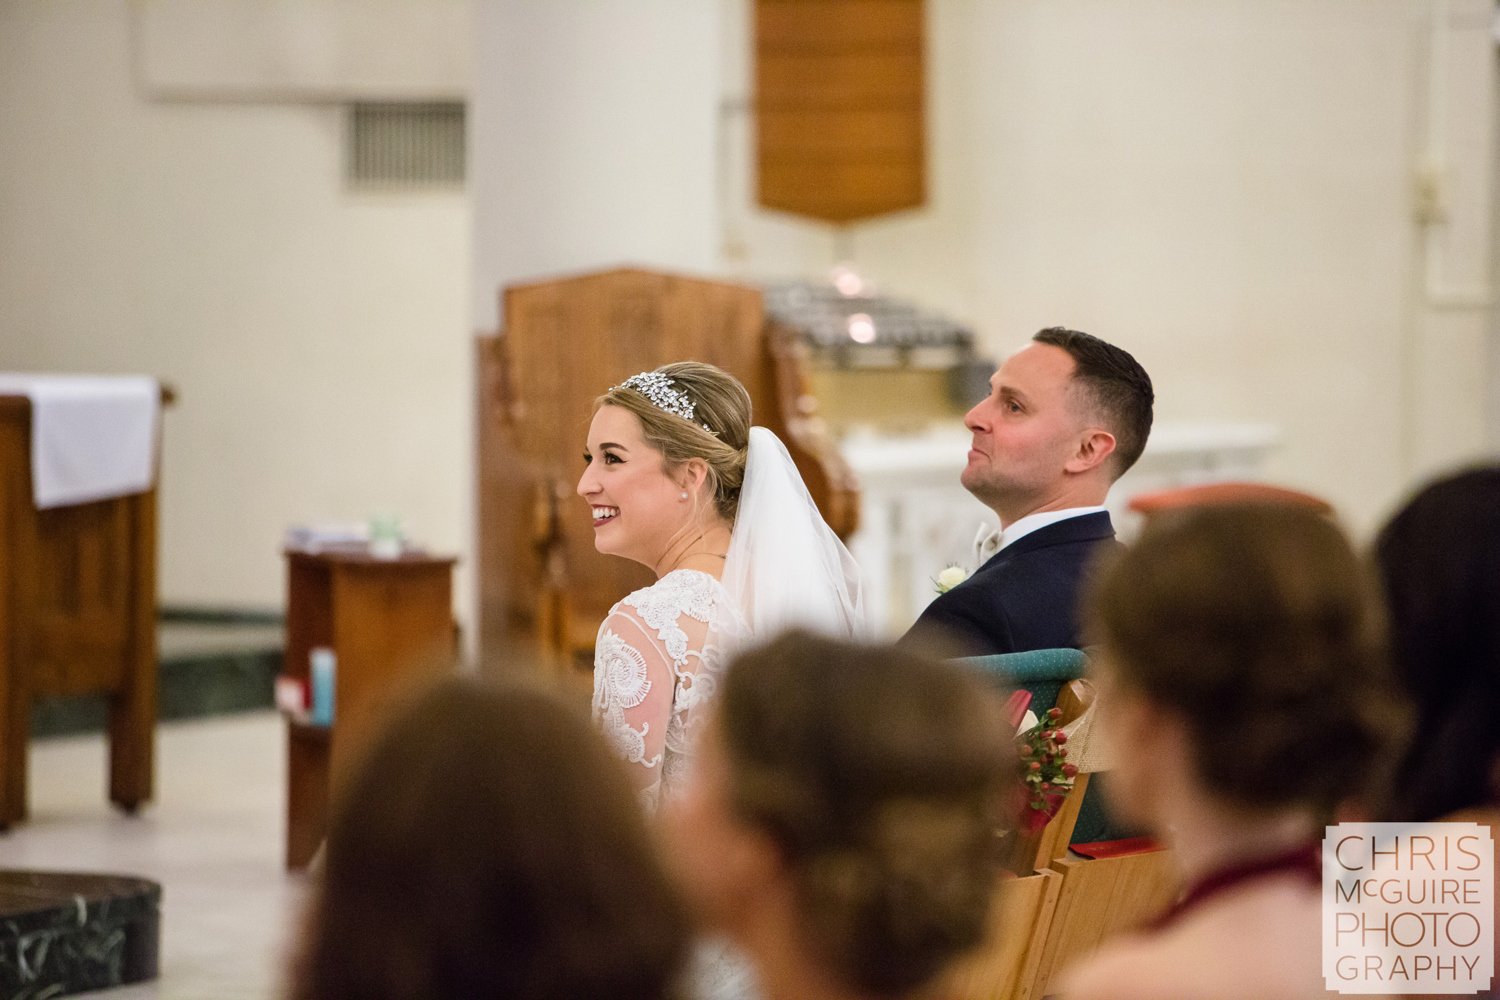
x: 1256, y: 943
x: 1149, y: 967
x: 1124, y: 970
x: 680, y: 610
x: 682, y: 591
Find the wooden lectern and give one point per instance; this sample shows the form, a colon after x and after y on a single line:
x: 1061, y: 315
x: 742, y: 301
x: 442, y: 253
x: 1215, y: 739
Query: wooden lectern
x: 77, y: 617
x: 387, y: 621
x: 543, y: 589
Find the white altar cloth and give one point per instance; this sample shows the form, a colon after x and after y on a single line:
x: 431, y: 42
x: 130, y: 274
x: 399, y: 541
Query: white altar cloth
x: 92, y: 436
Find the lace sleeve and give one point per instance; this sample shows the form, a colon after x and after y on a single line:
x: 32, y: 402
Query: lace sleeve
x: 634, y: 689
x: 655, y: 668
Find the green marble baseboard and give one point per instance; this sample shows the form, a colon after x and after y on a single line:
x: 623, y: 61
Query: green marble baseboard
x: 210, y: 664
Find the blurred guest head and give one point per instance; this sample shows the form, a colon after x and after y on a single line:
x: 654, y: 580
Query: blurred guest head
x: 1439, y: 562
x: 1242, y: 676
x: 488, y: 846
x: 841, y: 819
x: 1243, y: 643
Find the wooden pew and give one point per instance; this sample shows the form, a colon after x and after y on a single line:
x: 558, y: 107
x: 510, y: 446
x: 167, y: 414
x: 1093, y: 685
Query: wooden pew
x: 1088, y: 901
x: 1005, y: 966
x: 1101, y: 898
x: 1035, y: 852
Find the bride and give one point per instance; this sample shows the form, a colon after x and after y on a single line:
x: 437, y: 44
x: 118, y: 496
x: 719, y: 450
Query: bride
x: 679, y: 481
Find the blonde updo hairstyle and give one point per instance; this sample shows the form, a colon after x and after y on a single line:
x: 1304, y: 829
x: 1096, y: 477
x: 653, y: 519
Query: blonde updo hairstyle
x: 881, y: 777
x: 720, y: 402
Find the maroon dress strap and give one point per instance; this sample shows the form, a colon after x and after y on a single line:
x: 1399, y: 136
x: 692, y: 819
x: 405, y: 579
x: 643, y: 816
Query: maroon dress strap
x: 1304, y: 860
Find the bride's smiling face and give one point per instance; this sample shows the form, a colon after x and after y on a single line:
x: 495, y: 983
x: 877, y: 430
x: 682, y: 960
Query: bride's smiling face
x: 636, y: 506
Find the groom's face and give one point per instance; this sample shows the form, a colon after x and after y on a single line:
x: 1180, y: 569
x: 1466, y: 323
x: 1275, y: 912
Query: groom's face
x: 1025, y: 431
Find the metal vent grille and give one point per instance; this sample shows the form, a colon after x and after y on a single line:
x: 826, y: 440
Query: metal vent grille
x: 406, y: 146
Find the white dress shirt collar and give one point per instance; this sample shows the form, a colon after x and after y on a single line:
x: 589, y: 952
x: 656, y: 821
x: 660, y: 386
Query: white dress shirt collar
x: 1031, y: 522
x: 990, y: 541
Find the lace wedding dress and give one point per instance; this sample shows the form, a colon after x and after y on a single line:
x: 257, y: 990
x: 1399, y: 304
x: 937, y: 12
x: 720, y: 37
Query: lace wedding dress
x: 657, y: 662
x: 660, y: 652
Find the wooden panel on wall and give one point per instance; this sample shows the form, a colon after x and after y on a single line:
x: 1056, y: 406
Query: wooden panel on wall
x: 839, y: 107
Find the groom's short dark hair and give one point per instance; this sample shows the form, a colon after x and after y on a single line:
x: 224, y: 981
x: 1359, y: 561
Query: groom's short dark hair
x: 1116, y: 384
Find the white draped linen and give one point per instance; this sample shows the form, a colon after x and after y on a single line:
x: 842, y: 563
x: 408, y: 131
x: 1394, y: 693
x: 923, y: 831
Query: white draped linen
x: 92, y: 436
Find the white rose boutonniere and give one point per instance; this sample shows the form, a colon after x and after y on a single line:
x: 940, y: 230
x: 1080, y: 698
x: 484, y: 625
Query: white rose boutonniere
x: 949, y: 578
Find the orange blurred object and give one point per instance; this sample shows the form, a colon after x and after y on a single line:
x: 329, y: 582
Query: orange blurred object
x: 1210, y: 494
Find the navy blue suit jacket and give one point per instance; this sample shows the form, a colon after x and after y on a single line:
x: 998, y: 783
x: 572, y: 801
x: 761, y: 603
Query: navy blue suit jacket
x: 1025, y: 597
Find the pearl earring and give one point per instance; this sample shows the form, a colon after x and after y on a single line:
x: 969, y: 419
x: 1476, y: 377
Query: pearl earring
x: 683, y: 495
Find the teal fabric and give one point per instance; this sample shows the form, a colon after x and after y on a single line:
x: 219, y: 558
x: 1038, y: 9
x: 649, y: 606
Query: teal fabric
x: 1033, y: 665
x: 1043, y: 672
x: 1094, y: 822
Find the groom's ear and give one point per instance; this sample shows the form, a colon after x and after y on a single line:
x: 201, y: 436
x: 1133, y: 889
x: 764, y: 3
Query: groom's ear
x: 1094, y: 447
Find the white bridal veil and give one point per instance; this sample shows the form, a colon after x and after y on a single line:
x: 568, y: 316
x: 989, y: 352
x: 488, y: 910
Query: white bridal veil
x: 785, y: 567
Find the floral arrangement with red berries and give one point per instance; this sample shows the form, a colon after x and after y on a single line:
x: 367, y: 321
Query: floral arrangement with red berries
x: 1046, y: 775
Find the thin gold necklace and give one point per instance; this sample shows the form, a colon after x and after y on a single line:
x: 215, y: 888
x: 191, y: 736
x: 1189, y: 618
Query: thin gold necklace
x: 690, y: 553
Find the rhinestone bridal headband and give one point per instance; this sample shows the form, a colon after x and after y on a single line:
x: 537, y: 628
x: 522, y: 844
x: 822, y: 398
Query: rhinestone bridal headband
x: 664, y: 395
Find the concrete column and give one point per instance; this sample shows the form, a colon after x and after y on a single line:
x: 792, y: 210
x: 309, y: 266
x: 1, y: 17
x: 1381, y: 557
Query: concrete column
x: 592, y: 139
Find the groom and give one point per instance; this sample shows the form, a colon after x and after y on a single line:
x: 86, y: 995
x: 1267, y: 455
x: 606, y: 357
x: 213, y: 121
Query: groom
x: 1066, y: 416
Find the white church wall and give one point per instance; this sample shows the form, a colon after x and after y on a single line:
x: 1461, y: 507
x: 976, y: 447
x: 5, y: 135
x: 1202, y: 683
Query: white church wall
x: 316, y: 337
x: 1229, y: 189
x: 1226, y: 187
x: 592, y: 131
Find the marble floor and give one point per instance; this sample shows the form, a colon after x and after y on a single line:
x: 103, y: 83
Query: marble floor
x: 213, y: 839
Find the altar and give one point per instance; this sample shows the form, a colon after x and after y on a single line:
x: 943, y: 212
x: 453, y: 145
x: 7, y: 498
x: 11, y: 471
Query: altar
x: 78, y: 460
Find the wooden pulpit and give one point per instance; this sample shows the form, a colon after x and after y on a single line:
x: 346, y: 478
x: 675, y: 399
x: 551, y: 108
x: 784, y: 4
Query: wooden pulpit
x: 389, y: 624
x: 543, y: 588
x: 77, y: 617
